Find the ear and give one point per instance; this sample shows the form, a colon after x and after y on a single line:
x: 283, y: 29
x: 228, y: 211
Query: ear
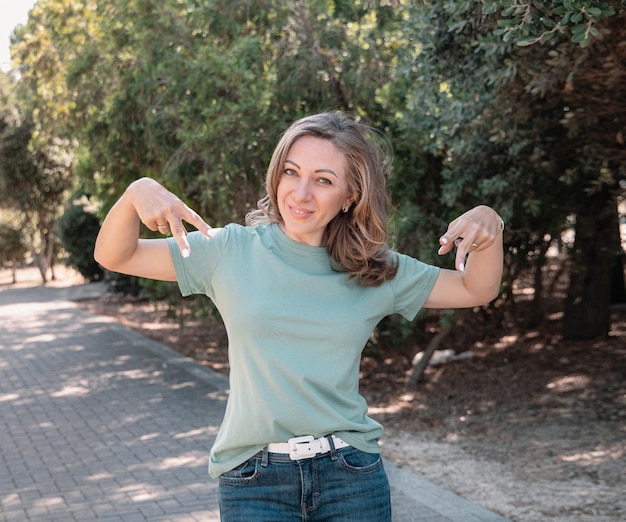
x: 349, y: 200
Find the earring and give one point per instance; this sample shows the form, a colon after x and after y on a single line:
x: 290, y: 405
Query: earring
x: 345, y: 209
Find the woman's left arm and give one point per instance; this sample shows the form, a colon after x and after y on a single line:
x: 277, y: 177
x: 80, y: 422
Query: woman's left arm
x: 477, y: 234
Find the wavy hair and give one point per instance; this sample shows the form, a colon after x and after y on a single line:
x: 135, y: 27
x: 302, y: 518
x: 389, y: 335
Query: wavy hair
x: 357, y: 239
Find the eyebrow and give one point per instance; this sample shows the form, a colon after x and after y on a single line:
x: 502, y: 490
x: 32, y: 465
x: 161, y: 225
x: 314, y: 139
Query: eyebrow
x: 329, y: 171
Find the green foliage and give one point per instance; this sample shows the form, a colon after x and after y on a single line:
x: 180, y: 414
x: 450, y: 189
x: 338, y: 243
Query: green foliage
x: 197, y: 92
x: 13, y: 246
x: 77, y: 229
x: 33, y: 182
x: 528, y: 129
x: 35, y: 170
x: 528, y: 23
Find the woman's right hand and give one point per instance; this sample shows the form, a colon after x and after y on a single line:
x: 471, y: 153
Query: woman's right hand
x: 119, y: 247
x: 160, y: 210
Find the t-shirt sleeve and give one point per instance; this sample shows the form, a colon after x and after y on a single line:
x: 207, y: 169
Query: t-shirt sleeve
x: 412, y: 285
x: 195, y: 273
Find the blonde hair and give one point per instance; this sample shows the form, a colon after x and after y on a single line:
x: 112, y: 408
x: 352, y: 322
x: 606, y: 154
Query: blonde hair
x: 357, y: 239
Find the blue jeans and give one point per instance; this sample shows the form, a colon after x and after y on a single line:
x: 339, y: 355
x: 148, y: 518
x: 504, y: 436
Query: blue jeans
x: 340, y: 486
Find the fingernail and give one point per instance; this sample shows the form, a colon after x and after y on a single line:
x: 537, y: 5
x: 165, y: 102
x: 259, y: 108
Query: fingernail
x: 462, y: 267
x: 439, y: 251
x: 443, y: 240
x: 185, y: 252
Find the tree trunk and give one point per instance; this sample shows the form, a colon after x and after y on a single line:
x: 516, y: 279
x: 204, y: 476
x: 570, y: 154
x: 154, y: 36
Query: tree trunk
x: 587, y: 313
x: 537, y: 310
x: 50, y: 240
x: 420, y: 366
x: 618, y: 285
x: 40, y: 260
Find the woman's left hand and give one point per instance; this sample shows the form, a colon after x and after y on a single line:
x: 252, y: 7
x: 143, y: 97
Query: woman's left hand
x: 474, y: 231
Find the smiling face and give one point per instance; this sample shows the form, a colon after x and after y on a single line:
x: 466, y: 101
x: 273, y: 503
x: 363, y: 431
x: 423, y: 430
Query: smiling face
x: 312, y: 190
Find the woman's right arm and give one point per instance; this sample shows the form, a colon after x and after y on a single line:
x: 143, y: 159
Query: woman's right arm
x: 118, y: 246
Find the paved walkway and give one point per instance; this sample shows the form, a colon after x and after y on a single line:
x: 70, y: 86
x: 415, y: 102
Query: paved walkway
x: 100, y: 423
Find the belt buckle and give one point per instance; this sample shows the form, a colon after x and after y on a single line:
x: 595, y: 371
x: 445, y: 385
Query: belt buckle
x: 294, y: 454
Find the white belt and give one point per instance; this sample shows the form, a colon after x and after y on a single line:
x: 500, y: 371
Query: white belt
x: 305, y: 447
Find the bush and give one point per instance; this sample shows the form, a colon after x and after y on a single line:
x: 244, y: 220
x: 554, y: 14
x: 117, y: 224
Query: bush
x: 13, y: 248
x: 77, y: 229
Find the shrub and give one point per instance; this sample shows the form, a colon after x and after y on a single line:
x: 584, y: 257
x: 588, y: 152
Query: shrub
x: 77, y: 229
x: 12, y: 247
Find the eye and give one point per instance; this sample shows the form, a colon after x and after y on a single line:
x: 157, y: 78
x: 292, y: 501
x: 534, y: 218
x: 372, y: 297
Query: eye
x: 324, y: 181
x: 290, y: 172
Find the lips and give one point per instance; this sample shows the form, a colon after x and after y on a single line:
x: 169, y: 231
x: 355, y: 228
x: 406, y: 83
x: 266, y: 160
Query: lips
x: 300, y: 212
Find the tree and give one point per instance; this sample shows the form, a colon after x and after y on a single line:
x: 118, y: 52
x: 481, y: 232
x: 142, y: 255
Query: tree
x: 196, y: 96
x: 511, y: 129
x: 505, y: 102
x: 77, y: 229
x: 33, y: 183
x: 585, y: 74
x: 12, y: 247
x: 193, y: 96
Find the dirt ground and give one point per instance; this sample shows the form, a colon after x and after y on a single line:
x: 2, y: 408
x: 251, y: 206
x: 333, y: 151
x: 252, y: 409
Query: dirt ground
x: 530, y: 426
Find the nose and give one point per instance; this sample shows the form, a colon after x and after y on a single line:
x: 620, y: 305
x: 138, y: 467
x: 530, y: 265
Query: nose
x: 302, y: 190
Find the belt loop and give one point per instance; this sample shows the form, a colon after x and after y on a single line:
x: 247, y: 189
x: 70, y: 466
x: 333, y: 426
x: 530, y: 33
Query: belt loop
x: 331, y: 443
x: 265, y: 457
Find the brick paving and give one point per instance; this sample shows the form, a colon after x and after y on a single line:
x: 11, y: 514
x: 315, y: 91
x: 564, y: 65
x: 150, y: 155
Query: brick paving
x: 100, y: 423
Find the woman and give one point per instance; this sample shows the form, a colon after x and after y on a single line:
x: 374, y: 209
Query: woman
x: 300, y: 290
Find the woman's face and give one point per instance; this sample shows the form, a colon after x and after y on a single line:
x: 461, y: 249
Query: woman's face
x: 312, y: 190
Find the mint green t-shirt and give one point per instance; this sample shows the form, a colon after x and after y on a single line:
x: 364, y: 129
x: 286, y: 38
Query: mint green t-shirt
x: 296, y: 330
